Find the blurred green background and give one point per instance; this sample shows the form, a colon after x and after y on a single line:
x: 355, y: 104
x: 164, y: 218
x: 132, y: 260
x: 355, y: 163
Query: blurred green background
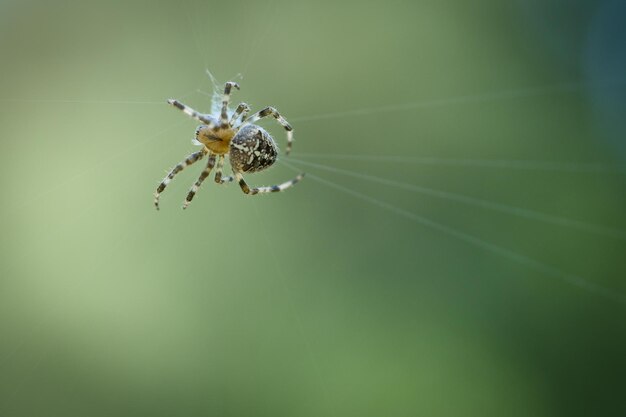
x: 316, y: 301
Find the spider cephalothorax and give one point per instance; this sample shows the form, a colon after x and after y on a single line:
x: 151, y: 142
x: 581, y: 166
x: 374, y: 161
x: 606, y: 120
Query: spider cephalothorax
x: 249, y: 147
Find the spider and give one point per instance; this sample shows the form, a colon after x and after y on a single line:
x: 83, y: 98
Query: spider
x: 249, y: 147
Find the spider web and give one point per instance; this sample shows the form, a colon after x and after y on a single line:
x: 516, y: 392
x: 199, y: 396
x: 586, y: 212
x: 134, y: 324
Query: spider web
x: 539, y: 165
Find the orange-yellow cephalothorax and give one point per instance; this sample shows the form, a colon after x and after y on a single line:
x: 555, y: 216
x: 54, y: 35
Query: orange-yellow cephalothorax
x: 217, y: 140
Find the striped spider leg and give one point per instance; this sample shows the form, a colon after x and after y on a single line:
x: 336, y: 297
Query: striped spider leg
x: 225, y: 100
x: 204, y: 118
x: 241, y: 111
x: 194, y: 157
x: 218, y: 172
x: 270, y: 111
x: 194, y: 189
x: 268, y: 189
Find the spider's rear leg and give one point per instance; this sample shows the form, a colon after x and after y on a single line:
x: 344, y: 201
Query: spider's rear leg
x: 225, y: 100
x: 269, y: 189
x: 218, y: 171
x: 204, y: 118
x: 270, y: 111
x: 194, y: 189
x: 196, y: 156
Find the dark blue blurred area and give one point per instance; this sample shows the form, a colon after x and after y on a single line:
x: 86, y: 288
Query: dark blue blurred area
x: 587, y: 39
x: 605, y: 59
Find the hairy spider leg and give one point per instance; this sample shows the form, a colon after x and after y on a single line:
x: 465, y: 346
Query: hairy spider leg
x: 206, y: 119
x: 194, y: 188
x: 268, y: 189
x: 225, y: 100
x: 270, y: 111
x: 196, y: 156
x: 242, y: 111
x: 218, y: 171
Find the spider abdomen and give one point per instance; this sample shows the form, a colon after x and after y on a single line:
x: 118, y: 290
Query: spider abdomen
x: 252, y: 149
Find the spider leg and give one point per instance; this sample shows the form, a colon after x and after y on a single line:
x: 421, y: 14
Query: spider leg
x: 270, y: 189
x: 207, y: 120
x: 225, y: 100
x: 241, y: 111
x: 270, y: 111
x: 196, y: 156
x: 194, y: 189
x: 218, y: 171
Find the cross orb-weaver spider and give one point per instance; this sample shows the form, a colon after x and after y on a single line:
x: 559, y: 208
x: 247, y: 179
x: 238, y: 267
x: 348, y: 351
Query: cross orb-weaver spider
x: 249, y: 147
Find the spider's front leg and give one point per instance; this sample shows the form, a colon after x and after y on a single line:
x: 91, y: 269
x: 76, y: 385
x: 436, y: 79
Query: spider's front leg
x: 194, y: 157
x: 270, y: 111
x: 194, y: 189
x: 241, y: 111
x: 269, y: 189
x: 225, y: 100
x: 204, y: 118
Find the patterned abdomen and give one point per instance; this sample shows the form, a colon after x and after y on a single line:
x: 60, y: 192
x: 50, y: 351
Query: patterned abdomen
x: 252, y: 150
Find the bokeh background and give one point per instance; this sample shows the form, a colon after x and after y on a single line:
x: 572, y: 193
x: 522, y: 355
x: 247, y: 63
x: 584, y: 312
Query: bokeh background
x: 338, y: 297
